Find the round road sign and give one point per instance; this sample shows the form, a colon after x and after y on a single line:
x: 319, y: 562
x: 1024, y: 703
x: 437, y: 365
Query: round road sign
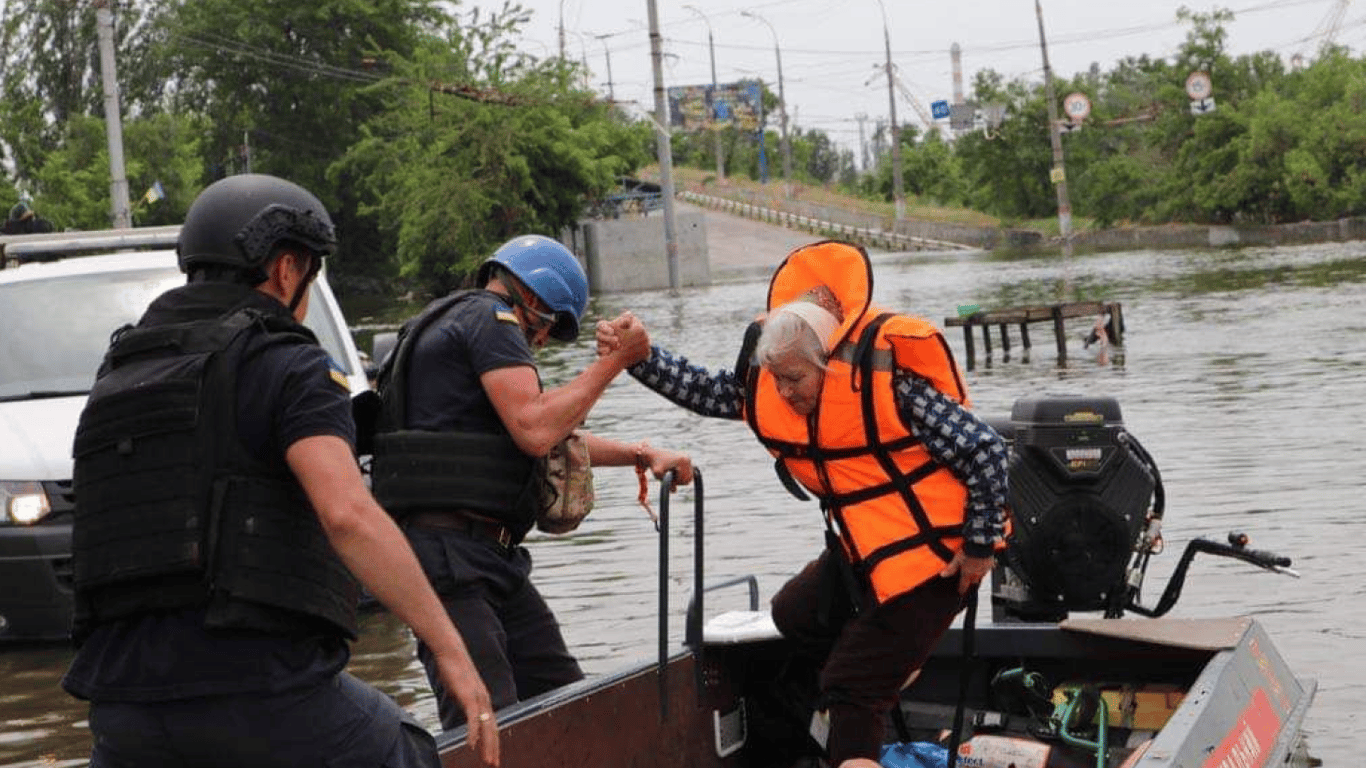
x: 1077, y: 106
x: 1198, y: 86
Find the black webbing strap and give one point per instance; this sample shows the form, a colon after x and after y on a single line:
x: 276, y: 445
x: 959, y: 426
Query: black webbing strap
x: 964, y: 675
x: 862, y: 383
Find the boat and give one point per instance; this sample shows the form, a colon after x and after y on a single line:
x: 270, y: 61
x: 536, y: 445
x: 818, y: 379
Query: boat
x: 1059, y: 678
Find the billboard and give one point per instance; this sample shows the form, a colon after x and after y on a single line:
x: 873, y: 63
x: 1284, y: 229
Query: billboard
x: 699, y: 108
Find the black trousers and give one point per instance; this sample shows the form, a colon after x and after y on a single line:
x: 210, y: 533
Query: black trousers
x: 344, y: 722
x: 510, y: 632
x: 865, y: 658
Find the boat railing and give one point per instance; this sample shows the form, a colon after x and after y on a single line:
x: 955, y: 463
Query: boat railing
x: 693, y: 617
x: 666, y: 488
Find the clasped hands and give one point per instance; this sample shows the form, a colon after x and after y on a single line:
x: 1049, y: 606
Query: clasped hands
x: 623, y: 337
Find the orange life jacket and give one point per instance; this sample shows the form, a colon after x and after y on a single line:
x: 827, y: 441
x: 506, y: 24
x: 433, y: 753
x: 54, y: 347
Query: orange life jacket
x: 898, y: 513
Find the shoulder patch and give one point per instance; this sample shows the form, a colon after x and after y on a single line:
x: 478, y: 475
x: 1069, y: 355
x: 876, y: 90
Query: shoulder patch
x: 506, y: 316
x: 338, y: 376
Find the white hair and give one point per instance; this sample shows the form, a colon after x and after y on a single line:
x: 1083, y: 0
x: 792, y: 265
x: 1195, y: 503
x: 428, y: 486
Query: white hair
x: 801, y: 327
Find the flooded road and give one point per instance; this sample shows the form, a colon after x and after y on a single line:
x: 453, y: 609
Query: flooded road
x: 1243, y: 373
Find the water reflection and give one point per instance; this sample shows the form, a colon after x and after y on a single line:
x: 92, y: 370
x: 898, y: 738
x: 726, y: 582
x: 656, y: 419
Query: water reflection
x: 1243, y: 374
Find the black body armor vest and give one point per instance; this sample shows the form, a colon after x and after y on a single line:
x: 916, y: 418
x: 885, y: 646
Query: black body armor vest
x: 417, y: 469
x: 172, y: 512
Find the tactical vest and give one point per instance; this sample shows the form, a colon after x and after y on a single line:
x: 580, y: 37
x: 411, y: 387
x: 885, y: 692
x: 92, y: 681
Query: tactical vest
x: 414, y: 470
x: 172, y: 512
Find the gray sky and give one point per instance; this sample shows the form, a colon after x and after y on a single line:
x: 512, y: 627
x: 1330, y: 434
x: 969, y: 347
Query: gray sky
x: 832, y: 50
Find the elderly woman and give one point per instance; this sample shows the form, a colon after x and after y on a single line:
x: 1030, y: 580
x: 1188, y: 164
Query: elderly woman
x: 866, y: 410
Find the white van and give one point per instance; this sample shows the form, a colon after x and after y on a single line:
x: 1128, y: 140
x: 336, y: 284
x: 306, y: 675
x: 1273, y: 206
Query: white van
x: 57, y: 311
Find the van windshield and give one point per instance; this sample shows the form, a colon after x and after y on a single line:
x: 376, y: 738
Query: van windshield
x: 54, y: 332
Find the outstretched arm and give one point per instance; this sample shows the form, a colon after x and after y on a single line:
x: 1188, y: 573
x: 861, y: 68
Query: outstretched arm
x: 376, y: 552
x: 537, y: 419
x: 719, y: 395
x: 614, y: 453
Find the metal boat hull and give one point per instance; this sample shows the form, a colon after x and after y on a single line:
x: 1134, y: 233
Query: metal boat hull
x: 1230, y: 700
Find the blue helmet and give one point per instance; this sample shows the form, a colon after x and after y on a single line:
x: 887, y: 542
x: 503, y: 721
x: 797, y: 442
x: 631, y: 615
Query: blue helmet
x: 551, y: 272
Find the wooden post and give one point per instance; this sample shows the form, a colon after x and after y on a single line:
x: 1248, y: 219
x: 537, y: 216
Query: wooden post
x: 1059, y: 333
x: 967, y: 342
x: 1005, y: 340
x: 1116, y: 329
x: 986, y: 342
x: 1024, y: 335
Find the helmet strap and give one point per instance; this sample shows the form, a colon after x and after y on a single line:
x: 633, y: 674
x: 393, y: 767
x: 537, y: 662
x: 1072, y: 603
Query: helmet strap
x: 529, y: 314
x: 315, y: 264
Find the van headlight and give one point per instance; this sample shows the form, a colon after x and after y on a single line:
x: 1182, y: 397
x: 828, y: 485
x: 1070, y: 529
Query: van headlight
x: 23, y: 502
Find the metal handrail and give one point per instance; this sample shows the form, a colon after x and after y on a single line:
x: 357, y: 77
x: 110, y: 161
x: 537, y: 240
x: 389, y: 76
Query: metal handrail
x: 666, y: 488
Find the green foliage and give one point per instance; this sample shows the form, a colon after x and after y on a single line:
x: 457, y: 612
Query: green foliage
x: 434, y: 137
x: 454, y: 174
x: 74, y: 179
x: 285, y: 84
x: 165, y: 148
x: 50, y: 73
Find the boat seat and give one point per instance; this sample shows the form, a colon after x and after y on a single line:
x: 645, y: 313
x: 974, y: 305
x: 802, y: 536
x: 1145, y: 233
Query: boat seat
x: 735, y: 627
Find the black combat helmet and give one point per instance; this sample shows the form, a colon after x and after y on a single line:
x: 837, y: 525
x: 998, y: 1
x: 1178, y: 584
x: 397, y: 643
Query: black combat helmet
x: 236, y: 222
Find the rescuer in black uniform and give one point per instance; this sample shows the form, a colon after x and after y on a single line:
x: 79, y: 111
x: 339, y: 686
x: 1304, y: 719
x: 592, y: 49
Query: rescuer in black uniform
x: 221, y: 517
x: 464, y: 421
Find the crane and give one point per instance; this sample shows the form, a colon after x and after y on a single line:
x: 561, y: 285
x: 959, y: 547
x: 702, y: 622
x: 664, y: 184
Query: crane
x: 916, y: 104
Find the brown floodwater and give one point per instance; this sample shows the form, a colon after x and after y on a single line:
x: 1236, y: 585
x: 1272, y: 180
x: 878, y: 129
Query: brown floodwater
x: 1243, y: 373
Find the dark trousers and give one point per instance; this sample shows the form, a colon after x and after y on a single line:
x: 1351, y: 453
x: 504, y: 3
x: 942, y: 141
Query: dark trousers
x: 341, y: 723
x: 866, y: 657
x: 512, y: 636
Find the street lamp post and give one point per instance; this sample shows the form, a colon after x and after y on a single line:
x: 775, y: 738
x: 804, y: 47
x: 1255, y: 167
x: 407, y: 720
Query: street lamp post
x: 711, y: 100
x: 782, y: 104
x: 898, y: 189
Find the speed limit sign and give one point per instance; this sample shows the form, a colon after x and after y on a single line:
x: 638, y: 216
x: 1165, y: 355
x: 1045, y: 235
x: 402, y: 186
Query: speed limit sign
x: 1198, y: 86
x: 1077, y: 106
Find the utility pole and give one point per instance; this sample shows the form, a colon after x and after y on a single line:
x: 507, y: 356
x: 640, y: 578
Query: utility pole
x: 1059, y: 174
x: 711, y: 99
x: 898, y: 189
x: 956, y: 60
x: 562, y: 30
x: 782, y: 105
x: 611, y: 96
x: 862, y: 117
x: 663, y: 146
x: 118, y: 179
x: 763, y: 138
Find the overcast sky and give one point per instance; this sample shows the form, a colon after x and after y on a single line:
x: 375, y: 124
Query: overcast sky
x: 832, y: 50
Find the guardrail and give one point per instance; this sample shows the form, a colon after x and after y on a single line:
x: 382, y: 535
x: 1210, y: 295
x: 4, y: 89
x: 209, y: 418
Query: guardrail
x: 869, y: 236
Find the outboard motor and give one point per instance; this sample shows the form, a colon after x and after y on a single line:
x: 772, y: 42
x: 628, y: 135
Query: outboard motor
x: 1085, y: 499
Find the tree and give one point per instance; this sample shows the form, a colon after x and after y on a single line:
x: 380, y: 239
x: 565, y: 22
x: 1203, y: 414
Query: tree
x: 506, y: 146
x: 74, y: 178
x: 50, y: 74
x: 1007, y: 170
x: 285, y: 85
